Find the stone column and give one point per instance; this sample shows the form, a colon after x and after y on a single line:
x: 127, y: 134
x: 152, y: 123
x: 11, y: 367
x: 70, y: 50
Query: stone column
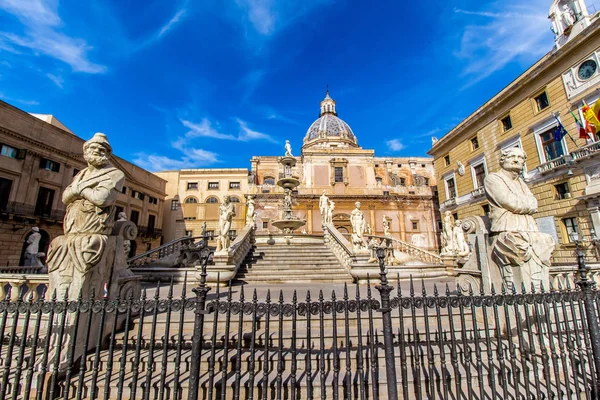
x: 309, y: 218
x: 401, y: 223
x: 372, y: 221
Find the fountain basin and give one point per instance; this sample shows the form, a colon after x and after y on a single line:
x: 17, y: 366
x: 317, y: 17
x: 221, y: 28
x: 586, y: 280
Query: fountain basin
x: 288, y: 225
x: 288, y: 183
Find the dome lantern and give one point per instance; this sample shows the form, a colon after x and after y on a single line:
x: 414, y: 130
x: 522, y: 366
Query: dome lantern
x: 329, y: 130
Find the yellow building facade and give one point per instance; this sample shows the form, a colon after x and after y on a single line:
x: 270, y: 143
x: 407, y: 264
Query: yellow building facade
x: 561, y: 174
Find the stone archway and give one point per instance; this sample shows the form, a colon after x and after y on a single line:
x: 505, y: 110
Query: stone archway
x: 342, y: 223
x: 43, y: 246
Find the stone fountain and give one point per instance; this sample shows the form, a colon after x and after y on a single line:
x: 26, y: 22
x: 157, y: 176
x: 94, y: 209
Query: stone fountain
x: 288, y: 224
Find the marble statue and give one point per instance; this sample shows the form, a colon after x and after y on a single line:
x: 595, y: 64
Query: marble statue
x: 520, y: 250
x: 250, y: 214
x: 32, y: 255
x: 460, y: 168
x: 288, y: 149
x: 330, y: 208
x: 386, y: 226
x: 88, y: 221
x: 461, y: 247
x: 368, y: 229
x: 568, y: 15
x: 323, y: 206
x: 434, y: 140
x: 126, y: 243
x: 226, y: 213
x: 122, y: 216
x: 448, y: 235
x: 357, y: 219
x: 287, y: 199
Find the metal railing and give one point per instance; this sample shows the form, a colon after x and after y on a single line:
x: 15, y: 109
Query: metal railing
x: 174, y: 246
x: 424, y: 342
x: 410, y: 249
x: 29, y: 210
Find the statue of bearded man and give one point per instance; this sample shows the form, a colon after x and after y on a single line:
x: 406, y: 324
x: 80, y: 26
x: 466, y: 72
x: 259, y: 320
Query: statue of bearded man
x: 88, y: 221
x: 520, y: 250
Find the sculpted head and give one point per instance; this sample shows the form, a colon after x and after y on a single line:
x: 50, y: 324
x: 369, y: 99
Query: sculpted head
x: 357, y: 204
x: 226, y: 199
x: 97, y: 150
x: 513, y: 159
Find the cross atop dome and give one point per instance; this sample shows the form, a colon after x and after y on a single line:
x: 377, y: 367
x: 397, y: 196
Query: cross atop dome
x: 328, y: 104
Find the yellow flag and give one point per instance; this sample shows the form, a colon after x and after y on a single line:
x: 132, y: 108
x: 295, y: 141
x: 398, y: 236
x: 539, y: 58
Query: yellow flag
x: 596, y: 109
x: 590, y: 114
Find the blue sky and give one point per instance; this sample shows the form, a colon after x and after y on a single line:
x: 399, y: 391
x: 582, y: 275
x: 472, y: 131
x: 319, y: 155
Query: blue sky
x: 210, y: 83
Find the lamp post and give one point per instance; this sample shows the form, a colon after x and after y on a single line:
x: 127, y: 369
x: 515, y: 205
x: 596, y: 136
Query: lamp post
x: 587, y: 288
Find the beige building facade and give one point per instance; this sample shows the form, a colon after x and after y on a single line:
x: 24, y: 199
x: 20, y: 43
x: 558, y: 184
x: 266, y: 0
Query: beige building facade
x: 39, y: 157
x: 400, y: 189
x: 564, y: 174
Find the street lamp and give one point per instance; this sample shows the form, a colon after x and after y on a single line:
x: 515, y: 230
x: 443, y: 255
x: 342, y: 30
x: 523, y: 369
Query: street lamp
x: 582, y: 269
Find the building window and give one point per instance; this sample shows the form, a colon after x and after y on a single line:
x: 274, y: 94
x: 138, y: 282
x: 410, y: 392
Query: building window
x: 415, y: 225
x: 124, y: 190
x: 339, y: 174
x: 49, y: 165
x: 541, y: 101
x: 138, y: 195
x: 265, y: 225
x: 234, y: 185
x: 212, y: 200
x: 450, y: 188
x: 234, y: 199
x: 506, y: 123
x: 192, y: 186
x: 9, y: 151
x: 426, y: 181
x: 570, y: 225
x: 210, y: 234
x: 402, y: 181
x: 75, y: 171
x: 135, y: 216
x: 399, y: 165
x: 551, y: 148
x: 232, y: 234
x: 152, y: 200
x: 43, y: 205
x: 447, y: 160
x: 5, y: 186
x: 267, y: 180
x: 478, y: 175
x: 191, y: 200
x: 118, y: 210
x: 213, y: 185
x: 174, y: 205
x: 151, y: 223
x: 475, y: 143
x: 386, y: 193
x: 455, y: 216
x: 189, y: 233
x: 378, y: 181
x: 562, y: 191
x: 486, y: 209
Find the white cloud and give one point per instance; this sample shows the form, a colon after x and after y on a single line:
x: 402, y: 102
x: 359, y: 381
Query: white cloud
x: 191, y: 158
x: 204, y: 129
x: 248, y: 134
x: 520, y: 31
x: 395, y: 145
x: 58, y: 80
x: 42, y: 36
x: 19, y: 101
x: 173, y: 21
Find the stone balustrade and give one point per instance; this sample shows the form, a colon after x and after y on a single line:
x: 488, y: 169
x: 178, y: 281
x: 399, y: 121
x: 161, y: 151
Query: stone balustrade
x: 552, y: 165
x: 167, y: 249
x: 586, y: 151
x: 27, y: 285
x: 410, y: 249
x: 480, y: 191
x: 451, y: 202
x: 341, y: 247
x: 226, y: 265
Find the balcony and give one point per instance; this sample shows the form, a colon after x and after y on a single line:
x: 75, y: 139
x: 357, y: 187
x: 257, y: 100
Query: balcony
x: 553, y: 164
x: 29, y: 211
x: 480, y: 191
x: 586, y: 151
x: 449, y: 203
x: 149, y: 232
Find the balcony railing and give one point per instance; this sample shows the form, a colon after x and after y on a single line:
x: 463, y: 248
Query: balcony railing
x: 451, y: 202
x: 145, y: 231
x: 552, y: 164
x: 29, y: 210
x: 586, y: 151
x: 480, y: 191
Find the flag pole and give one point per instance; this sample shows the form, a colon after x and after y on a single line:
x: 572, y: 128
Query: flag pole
x: 559, y: 123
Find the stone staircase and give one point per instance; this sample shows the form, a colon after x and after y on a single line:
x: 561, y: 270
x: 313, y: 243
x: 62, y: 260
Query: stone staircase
x: 295, y: 262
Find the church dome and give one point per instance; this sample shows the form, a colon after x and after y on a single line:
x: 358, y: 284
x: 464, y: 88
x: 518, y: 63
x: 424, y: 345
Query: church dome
x: 329, y: 128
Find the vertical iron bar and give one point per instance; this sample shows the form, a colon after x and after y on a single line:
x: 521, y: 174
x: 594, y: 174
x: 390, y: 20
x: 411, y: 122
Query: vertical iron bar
x: 562, y: 345
x: 121, y: 381
x: 265, y: 382
x: 372, y: 344
x: 177, y: 371
x: 138, y: 346
x: 82, y: 363
x: 238, y: 352
x: 6, y: 302
x: 294, y: 352
x: 428, y: 342
x: 359, y: 340
x: 516, y: 371
x: 519, y: 325
x: 499, y: 344
x: 34, y: 345
x: 225, y: 364
x: 478, y: 361
x: 577, y: 342
x: 444, y: 367
x: 529, y: 326
x: 336, y: 356
x: 213, y: 345
x: 348, y: 377
x: 401, y: 343
x: 587, y: 346
x: 17, y: 378
x: 322, y: 346
x: 308, y: 359
x: 466, y: 347
x: 539, y: 324
x: 71, y: 352
x: 280, y: 364
x: 488, y: 343
x: 61, y: 332
x: 111, y: 349
x: 588, y: 288
x: 44, y: 361
x: 416, y: 346
x: 201, y: 291
x: 11, y: 344
x: 166, y: 337
x: 251, y: 374
x: 551, y: 340
x: 95, y: 366
x: 453, y: 350
x: 150, y: 363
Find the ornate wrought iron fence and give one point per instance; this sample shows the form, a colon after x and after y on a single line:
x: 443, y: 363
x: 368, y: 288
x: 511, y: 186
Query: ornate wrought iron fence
x: 426, y: 342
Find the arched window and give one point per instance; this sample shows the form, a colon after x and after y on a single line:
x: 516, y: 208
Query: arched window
x: 212, y: 200
x: 191, y: 200
x: 234, y: 199
x: 269, y: 180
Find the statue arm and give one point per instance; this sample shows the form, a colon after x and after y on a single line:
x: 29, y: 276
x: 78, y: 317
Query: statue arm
x: 105, y: 193
x: 497, y: 190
